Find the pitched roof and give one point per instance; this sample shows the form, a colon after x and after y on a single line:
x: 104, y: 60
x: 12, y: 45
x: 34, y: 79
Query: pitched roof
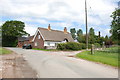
x: 21, y: 38
x: 25, y: 38
x: 55, y: 35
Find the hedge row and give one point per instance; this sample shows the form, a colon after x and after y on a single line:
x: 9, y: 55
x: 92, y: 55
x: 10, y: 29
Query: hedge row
x: 74, y: 46
x: 71, y: 46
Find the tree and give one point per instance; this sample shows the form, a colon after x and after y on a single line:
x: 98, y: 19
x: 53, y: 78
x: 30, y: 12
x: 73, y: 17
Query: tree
x: 91, y: 32
x: 10, y: 31
x: 73, y: 32
x: 91, y: 36
x: 79, y: 32
x: 81, y: 39
x: 115, y: 25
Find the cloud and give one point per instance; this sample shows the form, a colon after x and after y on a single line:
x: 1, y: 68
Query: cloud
x: 59, y: 13
x: 31, y: 29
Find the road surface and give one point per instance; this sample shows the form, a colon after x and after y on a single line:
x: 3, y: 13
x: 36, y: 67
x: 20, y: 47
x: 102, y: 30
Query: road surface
x: 51, y: 64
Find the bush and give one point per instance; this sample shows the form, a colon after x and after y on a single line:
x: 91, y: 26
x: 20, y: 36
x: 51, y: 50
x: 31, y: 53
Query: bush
x: 83, y: 45
x: 61, y: 46
x: 71, y: 46
x: 97, y: 45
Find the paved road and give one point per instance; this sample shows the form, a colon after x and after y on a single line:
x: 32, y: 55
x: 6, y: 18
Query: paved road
x: 50, y: 64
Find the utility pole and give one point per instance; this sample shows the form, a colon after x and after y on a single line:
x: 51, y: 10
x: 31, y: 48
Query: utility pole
x: 86, y: 25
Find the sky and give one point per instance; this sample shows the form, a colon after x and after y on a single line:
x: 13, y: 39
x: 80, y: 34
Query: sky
x: 59, y: 14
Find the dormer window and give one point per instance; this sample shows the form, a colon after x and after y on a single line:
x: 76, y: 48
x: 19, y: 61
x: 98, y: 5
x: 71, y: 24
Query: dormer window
x: 38, y: 36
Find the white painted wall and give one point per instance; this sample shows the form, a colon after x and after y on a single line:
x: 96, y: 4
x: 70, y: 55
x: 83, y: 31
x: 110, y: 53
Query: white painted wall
x: 48, y: 43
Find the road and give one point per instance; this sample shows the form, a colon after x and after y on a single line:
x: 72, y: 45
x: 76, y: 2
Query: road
x: 51, y: 64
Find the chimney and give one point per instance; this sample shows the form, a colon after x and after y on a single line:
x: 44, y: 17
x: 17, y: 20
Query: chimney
x: 65, y: 30
x: 49, y: 28
x: 28, y: 35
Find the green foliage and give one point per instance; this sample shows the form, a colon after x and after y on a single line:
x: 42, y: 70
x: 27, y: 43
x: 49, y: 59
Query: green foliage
x: 106, y: 38
x: 10, y: 31
x: 79, y: 32
x: 115, y: 25
x: 71, y: 46
x: 91, y: 32
x: 97, y: 45
x: 61, y: 46
x: 83, y: 45
x: 73, y: 36
x: 81, y: 39
x: 4, y: 51
x: 73, y: 31
x: 101, y: 40
x: 91, y: 36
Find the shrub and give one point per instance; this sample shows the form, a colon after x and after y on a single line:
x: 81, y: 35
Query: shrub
x: 97, y: 45
x: 70, y: 46
x: 83, y: 45
x: 61, y: 46
x: 73, y: 46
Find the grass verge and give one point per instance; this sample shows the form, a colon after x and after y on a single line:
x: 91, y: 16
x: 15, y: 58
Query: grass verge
x: 4, y: 51
x: 108, y: 56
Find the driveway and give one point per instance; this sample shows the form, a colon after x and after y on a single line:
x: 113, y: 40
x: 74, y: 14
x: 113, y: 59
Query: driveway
x: 51, y: 64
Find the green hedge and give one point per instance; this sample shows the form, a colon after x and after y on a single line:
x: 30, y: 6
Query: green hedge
x: 71, y: 46
x: 75, y: 46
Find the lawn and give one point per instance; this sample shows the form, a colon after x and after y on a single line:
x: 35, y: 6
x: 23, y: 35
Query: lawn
x: 4, y: 51
x: 108, y: 56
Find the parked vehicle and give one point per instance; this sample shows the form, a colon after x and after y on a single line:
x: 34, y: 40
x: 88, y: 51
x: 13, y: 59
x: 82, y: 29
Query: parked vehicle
x: 24, y: 46
x: 27, y: 46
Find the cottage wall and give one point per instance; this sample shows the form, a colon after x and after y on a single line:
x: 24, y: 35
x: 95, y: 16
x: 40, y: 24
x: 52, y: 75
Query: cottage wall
x: 20, y: 43
x: 38, y: 42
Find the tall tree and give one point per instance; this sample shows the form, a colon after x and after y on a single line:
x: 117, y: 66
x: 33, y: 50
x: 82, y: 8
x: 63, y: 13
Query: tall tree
x: 91, y: 32
x: 79, y: 32
x: 115, y: 25
x: 10, y: 31
x: 91, y: 36
x: 73, y: 32
x: 106, y: 37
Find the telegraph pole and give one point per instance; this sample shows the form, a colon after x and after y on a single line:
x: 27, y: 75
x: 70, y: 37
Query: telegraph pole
x: 86, y: 25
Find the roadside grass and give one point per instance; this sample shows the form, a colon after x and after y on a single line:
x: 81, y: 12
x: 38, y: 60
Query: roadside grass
x: 4, y: 51
x: 108, y: 56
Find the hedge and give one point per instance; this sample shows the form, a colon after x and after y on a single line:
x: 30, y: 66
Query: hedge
x: 75, y: 46
x: 71, y: 46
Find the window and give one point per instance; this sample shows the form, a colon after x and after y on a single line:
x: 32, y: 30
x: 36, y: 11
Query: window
x: 56, y: 44
x: 35, y: 43
x: 48, y: 43
x: 38, y: 36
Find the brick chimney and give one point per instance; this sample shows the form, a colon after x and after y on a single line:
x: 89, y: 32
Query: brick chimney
x: 65, y: 30
x: 49, y: 28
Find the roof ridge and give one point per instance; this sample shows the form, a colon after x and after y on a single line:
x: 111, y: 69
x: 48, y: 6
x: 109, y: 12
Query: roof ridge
x: 51, y: 29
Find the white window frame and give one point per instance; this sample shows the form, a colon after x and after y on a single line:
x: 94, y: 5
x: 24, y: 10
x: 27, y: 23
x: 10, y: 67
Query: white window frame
x: 39, y: 37
x: 35, y: 44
